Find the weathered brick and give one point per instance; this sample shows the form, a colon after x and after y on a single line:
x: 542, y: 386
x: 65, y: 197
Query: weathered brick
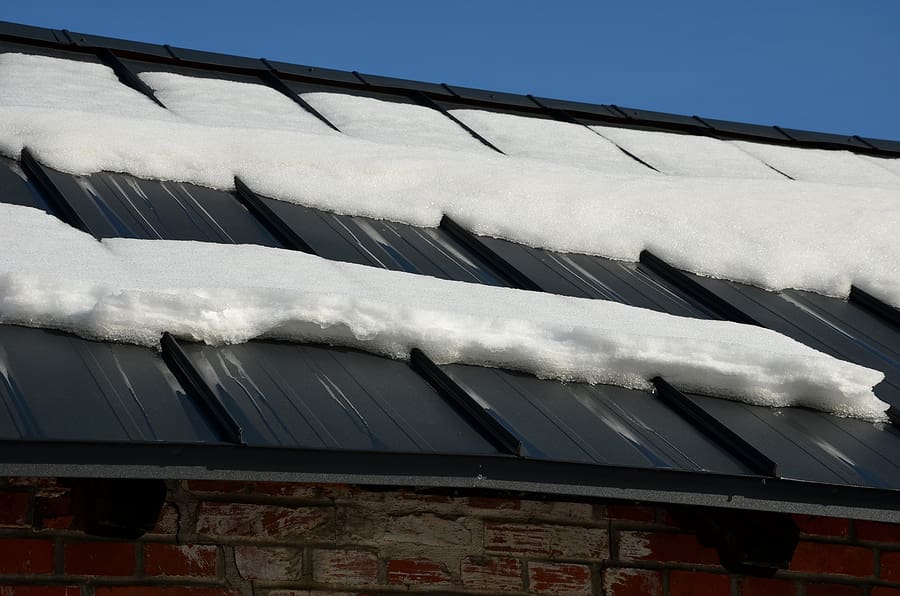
x: 14, y: 509
x: 632, y: 582
x: 260, y: 521
x: 559, y: 578
x: 167, y: 523
x: 53, y: 509
x: 163, y: 591
x: 345, y: 567
x: 823, y: 589
x: 636, y: 513
x: 269, y: 562
x: 838, y: 559
x: 218, y: 486
x: 24, y: 555
x: 288, y: 489
x: 495, y: 503
x: 816, y: 525
x: 417, y: 571
x: 99, y: 558
x: 767, y: 586
x: 180, y: 560
x: 492, y: 574
x: 426, y: 529
x: 664, y: 547
x: 569, y: 542
x: 878, y: 532
x: 691, y: 583
x: 889, y: 569
x: 40, y: 591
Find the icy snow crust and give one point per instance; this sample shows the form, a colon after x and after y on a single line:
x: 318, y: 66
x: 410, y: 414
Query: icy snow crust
x: 52, y: 275
x: 776, y: 234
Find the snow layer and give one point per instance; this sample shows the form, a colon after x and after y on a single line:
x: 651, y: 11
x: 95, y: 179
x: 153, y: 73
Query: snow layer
x: 822, y: 165
x: 772, y: 233
x: 551, y: 141
x: 688, y: 155
x: 392, y: 122
x: 130, y: 290
x: 238, y: 105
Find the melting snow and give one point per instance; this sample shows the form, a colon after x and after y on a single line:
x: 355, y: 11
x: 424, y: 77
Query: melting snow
x: 552, y: 141
x: 821, y: 165
x: 688, y: 155
x: 392, y: 122
x: 133, y: 290
x: 777, y: 234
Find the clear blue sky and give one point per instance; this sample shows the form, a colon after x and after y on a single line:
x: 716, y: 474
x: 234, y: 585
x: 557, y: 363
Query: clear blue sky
x: 829, y: 65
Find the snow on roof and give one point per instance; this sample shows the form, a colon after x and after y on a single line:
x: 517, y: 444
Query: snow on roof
x: 769, y: 231
x: 133, y: 290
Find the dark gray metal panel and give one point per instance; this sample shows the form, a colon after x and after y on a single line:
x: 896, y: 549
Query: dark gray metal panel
x: 830, y: 325
x: 598, y: 424
x: 327, y: 75
x: 119, y: 205
x: 395, y: 246
x: 326, y: 398
x: 300, y: 87
x: 122, y: 45
x: 53, y: 52
x: 815, y: 446
x: 586, y: 276
x: 139, y: 66
x: 17, y: 189
x: 59, y: 387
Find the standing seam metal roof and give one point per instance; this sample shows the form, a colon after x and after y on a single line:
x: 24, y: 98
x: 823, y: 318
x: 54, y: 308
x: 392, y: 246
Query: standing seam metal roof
x: 279, y: 410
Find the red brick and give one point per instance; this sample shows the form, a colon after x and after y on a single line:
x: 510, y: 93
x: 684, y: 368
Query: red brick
x: 36, y: 481
x: 494, y: 503
x: 816, y: 525
x: 833, y: 559
x: 180, y: 560
x: 25, y: 556
x: 559, y: 578
x: 820, y: 589
x: 691, y: 583
x: 53, y: 509
x: 665, y: 548
x: 40, y: 591
x: 167, y: 523
x: 889, y: 569
x: 884, y: 591
x: 570, y: 542
x: 345, y: 567
x: 632, y: 582
x: 269, y: 563
x: 416, y: 571
x: 637, y: 513
x: 288, y: 489
x: 259, y: 521
x: 99, y: 558
x: 218, y: 486
x: 878, y: 532
x: 767, y: 586
x: 14, y: 509
x: 492, y: 574
x: 162, y: 591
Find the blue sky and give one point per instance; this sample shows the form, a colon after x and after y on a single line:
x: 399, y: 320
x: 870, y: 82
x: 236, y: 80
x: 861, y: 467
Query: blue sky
x: 827, y: 65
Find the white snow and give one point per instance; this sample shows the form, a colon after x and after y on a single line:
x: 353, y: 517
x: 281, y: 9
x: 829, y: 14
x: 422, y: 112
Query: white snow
x: 52, y: 275
x: 551, y: 141
x: 772, y: 233
x: 822, y: 165
x: 392, y: 122
x: 688, y: 155
x: 237, y: 105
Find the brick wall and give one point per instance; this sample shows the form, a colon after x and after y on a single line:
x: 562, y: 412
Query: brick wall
x: 218, y: 538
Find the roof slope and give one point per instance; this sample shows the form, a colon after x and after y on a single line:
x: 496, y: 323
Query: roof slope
x: 282, y: 410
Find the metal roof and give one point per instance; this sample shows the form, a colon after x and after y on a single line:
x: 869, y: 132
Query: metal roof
x: 70, y: 406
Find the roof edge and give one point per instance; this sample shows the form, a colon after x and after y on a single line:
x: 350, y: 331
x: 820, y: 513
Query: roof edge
x: 513, y: 102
